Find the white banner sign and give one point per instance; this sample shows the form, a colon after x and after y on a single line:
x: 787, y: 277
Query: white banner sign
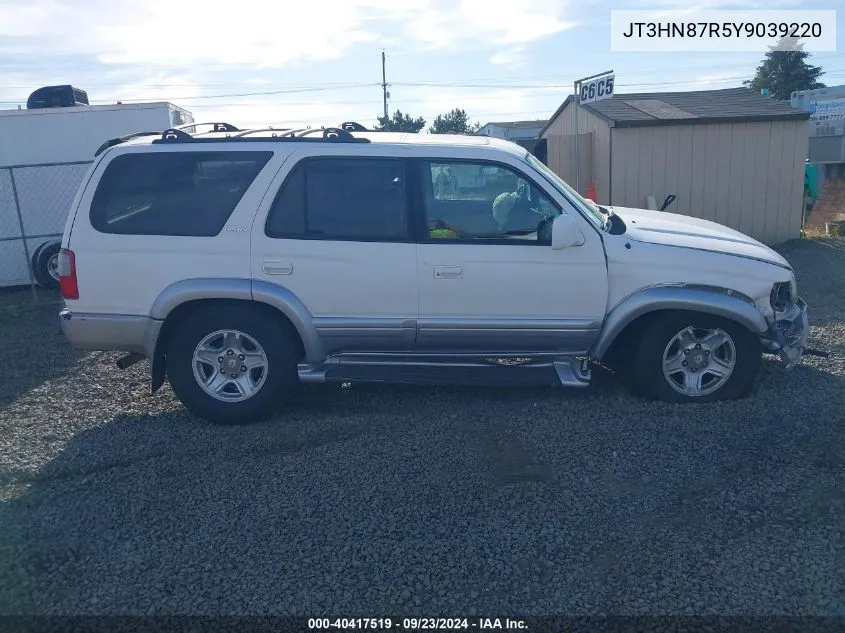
x: 596, y: 89
x: 828, y: 110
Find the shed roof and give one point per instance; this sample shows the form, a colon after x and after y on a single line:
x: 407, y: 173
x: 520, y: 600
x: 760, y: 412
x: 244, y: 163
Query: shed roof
x: 731, y: 105
x: 516, y: 124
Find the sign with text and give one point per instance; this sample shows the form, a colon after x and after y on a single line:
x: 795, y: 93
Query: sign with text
x: 596, y: 89
x: 827, y: 109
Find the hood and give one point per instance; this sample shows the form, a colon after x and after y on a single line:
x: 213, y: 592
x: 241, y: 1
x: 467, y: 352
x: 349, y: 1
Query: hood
x: 671, y: 229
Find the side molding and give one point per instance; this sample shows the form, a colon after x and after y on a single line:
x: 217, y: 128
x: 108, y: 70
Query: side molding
x: 290, y: 305
x: 244, y: 289
x: 193, y: 289
x: 718, y: 301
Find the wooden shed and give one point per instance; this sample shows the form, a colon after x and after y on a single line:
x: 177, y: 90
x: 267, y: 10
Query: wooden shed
x: 732, y: 156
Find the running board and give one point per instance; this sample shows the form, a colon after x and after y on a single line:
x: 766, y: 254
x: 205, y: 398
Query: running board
x: 466, y: 370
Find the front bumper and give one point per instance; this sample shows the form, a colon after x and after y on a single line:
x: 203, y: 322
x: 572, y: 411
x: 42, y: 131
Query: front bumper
x: 787, y: 337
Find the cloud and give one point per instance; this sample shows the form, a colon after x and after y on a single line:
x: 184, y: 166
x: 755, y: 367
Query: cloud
x: 712, y: 5
x: 510, y: 58
x: 261, y: 113
x: 159, y: 86
x: 155, y: 49
x: 492, y: 23
x: 265, y: 34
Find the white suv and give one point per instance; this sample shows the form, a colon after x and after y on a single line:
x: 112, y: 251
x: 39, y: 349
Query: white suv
x: 241, y: 263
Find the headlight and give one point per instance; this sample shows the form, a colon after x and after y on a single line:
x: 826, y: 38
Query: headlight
x: 783, y: 296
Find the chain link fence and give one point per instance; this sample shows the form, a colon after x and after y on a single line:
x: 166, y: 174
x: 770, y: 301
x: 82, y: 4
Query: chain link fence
x: 34, y: 203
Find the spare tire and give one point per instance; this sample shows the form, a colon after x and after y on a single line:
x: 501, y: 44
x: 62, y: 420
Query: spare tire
x: 33, y: 260
x: 46, y: 268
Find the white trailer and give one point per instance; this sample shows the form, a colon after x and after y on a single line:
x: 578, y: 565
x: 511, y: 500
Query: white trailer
x: 44, y: 155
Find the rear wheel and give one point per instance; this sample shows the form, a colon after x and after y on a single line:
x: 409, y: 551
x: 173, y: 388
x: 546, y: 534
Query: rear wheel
x: 692, y: 357
x: 232, y: 364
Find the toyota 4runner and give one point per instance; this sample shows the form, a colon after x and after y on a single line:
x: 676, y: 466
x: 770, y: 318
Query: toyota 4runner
x: 244, y: 262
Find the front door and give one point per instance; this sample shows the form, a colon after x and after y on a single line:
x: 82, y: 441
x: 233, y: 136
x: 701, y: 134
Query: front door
x: 338, y: 236
x: 489, y: 280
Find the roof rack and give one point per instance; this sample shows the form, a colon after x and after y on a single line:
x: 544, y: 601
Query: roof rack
x: 177, y: 134
x: 276, y: 131
x: 217, y: 126
x: 121, y: 139
x: 329, y: 134
x: 352, y: 126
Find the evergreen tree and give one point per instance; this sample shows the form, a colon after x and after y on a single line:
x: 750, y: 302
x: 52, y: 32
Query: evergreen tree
x: 454, y: 122
x: 785, y: 70
x: 400, y: 122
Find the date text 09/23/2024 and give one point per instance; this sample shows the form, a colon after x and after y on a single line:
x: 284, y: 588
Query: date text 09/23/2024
x: 415, y: 624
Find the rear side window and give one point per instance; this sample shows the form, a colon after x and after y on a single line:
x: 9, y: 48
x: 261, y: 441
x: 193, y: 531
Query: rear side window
x: 342, y: 199
x: 173, y: 193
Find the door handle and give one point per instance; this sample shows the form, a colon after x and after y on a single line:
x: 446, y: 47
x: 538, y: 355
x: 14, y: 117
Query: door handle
x: 448, y: 272
x: 277, y: 268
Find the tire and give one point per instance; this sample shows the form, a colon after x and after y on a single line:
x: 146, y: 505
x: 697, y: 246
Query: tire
x: 33, y: 260
x: 273, y: 385
x: 45, y: 265
x: 720, y: 370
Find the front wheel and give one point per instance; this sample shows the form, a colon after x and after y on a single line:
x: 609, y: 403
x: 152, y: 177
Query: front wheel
x: 691, y: 357
x: 232, y: 364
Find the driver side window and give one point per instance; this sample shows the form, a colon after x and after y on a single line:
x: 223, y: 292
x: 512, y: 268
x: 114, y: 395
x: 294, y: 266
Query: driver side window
x: 479, y: 201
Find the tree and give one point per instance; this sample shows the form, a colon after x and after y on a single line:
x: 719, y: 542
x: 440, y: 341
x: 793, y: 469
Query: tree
x: 785, y: 70
x: 454, y: 122
x: 400, y: 122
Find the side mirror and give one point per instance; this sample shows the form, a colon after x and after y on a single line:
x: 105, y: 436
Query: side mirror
x: 565, y: 232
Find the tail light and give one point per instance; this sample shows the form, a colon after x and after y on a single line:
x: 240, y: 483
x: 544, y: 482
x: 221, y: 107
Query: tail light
x: 67, y: 274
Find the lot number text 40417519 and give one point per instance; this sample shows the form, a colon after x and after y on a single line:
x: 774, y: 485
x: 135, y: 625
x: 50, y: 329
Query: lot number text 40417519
x: 416, y: 624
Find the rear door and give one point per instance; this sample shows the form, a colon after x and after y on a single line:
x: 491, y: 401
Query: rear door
x: 335, y: 230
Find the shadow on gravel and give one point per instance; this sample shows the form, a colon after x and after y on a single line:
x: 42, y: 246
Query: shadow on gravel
x: 402, y: 500
x: 33, y: 347
x: 820, y: 272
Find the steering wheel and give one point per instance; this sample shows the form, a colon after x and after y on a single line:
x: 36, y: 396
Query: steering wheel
x: 523, y: 203
x: 522, y: 214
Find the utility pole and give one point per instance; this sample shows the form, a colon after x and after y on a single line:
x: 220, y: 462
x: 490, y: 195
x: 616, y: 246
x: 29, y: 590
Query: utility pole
x: 384, y: 91
x: 604, y: 90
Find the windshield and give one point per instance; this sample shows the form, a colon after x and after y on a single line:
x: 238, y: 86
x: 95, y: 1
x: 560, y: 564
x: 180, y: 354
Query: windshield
x: 591, y: 209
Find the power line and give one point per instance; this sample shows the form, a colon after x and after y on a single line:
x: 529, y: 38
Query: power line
x: 262, y: 93
x: 374, y: 102
x: 457, y: 85
x: 569, y: 85
x: 368, y: 85
x: 497, y: 80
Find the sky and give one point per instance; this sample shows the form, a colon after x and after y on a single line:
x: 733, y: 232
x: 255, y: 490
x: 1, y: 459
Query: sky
x: 262, y: 62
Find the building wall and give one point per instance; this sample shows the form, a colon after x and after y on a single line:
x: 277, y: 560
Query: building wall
x: 748, y: 176
x: 826, y: 126
x: 600, y: 150
x: 520, y: 133
x: 560, y: 153
x: 496, y: 131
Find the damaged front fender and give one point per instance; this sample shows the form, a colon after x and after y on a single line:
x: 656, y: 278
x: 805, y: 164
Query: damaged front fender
x: 788, y: 334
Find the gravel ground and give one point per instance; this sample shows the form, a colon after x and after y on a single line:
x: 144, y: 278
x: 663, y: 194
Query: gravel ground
x: 397, y: 500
